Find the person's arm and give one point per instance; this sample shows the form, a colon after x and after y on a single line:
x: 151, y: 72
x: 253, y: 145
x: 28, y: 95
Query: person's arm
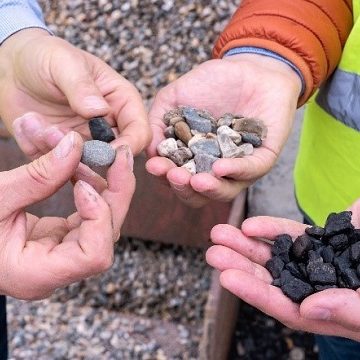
x: 16, y: 15
x: 310, y: 35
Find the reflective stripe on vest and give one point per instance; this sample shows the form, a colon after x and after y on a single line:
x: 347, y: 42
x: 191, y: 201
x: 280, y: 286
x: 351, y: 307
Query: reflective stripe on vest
x: 327, y: 170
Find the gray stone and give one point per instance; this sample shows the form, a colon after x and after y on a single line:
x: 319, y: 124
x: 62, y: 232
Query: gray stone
x: 207, y: 146
x: 250, y: 125
x: 234, y: 135
x: 180, y: 144
x: 245, y: 150
x: 97, y: 154
x: 180, y: 156
x: 169, y: 132
x: 171, y: 114
x: 101, y: 130
x: 251, y: 138
x: 204, y: 162
x: 227, y: 146
x: 190, y: 166
x: 225, y: 120
x: 196, y: 122
x: 195, y: 139
x: 166, y: 147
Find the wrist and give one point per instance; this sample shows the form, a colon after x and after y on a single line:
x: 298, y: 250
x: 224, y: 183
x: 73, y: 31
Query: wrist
x: 275, y: 66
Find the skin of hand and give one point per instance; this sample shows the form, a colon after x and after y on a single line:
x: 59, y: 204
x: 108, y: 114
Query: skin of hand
x: 49, y: 87
x: 240, y: 256
x: 39, y: 255
x: 249, y: 85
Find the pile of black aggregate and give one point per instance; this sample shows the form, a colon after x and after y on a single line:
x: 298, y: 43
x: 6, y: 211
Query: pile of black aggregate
x: 320, y: 259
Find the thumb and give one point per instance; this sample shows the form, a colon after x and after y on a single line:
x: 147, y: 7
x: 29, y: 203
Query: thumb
x: 41, y: 178
x: 78, y: 85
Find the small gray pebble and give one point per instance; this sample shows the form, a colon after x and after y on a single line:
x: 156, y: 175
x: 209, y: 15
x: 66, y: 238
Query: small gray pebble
x: 245, y: 149
x: 180, y: 156
x: 166, y: 147
x: 196, y: 122
x: 190, y: 166
x: 97, y: 153
x: 251, y: 138
x: 234, y: 135
x: 204, y: 162
x: 169, y: 132
x: 227, y: 146
x: 207, y: 146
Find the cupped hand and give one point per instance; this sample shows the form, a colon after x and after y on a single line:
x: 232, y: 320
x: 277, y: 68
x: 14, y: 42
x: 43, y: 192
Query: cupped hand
x: 240, y: 255
x: 39, y: 255
x: 249, y: 85
x: 51, y: 88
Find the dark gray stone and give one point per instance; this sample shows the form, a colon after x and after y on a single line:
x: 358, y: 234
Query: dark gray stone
x: 339, y: 242
x: 251, y: 138
x: 101, y: 130
x: 315, y: 231
x: 282, y: 246
x: 338, y: 223
x: 206, y: 146
x: 301, y: 246
x: 322, y: 273
x: 296, y: 289
x: 274, y: 265
x: 197, y: 122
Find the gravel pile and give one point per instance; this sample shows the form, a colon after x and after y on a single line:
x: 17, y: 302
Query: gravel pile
x: 150, y: 304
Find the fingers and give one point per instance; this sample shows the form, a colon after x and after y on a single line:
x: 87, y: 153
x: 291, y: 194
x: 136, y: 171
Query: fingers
x: 94, y: 236
x: 265, y: 297
x: 131, y: 119
x: 121, y: 187
x: 33, y: 135
x: 86, y: 174
x: 42, y: 177
x: 223, y: 258
x: 339, y: 305
x: 215, y: 188
x: 231, y: 237
x: 269, y: 227
x: 77, y: 82
x: 248, y: 168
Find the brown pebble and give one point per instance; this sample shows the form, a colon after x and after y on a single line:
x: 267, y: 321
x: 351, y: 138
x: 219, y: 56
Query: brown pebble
x: 182, y: 131
x: 250, y: 125
x: 175, y: 120
x: 171, y: 114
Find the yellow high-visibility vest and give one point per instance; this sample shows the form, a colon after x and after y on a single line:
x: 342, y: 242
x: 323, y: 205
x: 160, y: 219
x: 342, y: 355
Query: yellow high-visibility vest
x: 327, y: 169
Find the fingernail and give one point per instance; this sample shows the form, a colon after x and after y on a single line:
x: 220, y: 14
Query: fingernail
x: 88, y: 188
x: 178, y: 187
x: 53, y: 136
x: 318, y: 313
x: 65, y: 146
x: 16, y: 125
x: 128, y: 154
x: 30, y: 124
x: 95, y: 102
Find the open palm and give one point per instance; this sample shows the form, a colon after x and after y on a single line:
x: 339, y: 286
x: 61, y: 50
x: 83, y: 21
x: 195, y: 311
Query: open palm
x: 241, y: 256
x: 249, y: 85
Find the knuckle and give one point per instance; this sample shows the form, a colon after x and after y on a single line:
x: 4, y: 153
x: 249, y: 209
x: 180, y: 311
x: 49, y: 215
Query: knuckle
x: 101, y: 262
x: 38, y: 171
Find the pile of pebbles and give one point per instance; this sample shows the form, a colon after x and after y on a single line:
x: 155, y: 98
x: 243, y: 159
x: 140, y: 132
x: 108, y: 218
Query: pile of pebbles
x: 195, y: 139
x: 320, y: 259
x: 150, y: 305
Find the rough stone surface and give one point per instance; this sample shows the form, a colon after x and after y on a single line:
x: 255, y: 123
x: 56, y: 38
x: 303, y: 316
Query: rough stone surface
x: 246, y: 150
x: 190, y: 166
x: 97, y: 154
x: 204, y: 162
x: 197, y: 122
x: 249, y: 125
x: 227, y: 146
x: 181, y: 156
x: 251, y: 138
x: 296, y: 289
x: 206, y: 146
x: 233, y: 135
x: 167, y: 147
x: 101, y: 130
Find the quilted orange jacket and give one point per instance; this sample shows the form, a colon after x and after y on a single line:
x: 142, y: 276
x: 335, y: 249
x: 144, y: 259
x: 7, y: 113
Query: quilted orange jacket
x: 308, y: 33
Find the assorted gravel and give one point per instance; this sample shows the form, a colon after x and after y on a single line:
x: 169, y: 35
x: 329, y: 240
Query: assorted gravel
x: 149, y: 306
x: 195, y: 139
x: 320, y: 259
x: 145, y: 307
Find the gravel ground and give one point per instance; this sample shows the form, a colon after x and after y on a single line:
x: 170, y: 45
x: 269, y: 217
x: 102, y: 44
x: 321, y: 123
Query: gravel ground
x: 150, y: 304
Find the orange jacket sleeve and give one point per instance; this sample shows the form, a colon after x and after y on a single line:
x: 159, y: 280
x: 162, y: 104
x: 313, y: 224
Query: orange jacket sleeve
x: 308, y: 33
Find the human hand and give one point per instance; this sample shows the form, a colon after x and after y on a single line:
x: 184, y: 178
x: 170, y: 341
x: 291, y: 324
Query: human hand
x: 51, y: 88
x: 240, y: 256
x: 249, y: 85
x: 38, y: 255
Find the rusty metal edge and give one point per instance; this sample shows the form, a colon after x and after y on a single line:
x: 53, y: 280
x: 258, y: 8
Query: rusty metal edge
x: 222, y: 307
